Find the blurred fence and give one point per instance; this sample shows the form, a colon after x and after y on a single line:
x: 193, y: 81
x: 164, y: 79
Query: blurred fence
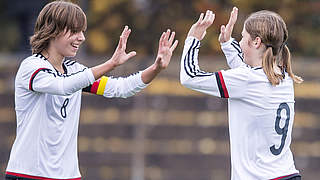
x: 166, y: 132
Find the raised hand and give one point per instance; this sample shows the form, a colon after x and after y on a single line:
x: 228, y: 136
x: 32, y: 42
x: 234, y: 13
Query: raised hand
x: 198, y: 30
x: 165, y: 49
x: 120, y: 56
x: 226, y: 31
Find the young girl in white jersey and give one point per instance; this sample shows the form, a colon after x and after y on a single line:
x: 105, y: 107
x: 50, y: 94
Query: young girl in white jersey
x: 48, y: 91
x: 259, y: 88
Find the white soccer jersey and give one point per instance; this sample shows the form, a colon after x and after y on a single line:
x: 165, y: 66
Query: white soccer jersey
x: 260, y: 115
x: 47, y: 105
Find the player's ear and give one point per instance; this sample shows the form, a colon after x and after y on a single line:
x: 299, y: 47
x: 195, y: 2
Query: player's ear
x: 257, y: 42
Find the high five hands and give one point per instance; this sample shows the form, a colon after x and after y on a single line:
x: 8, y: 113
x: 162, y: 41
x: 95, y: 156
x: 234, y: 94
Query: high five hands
x: 167, y: 44
x: 166, y: 47
x: 198, y: 30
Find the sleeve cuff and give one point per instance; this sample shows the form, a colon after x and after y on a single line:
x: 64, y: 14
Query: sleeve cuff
x: 191, y: 38
x: 140, y: 82
x: 227, y: 42
x: 90, y: 76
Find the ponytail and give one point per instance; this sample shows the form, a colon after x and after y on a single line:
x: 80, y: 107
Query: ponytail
x: 286, y: 59
x: 275, y: 64
x: 269, y: 65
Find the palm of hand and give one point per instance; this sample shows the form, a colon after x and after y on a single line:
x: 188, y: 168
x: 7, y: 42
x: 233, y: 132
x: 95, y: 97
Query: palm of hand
x: 164, y: 56
x: 120, y: 56
x: 198, y: 30
x: 165, y: 49
x: 226, y: 31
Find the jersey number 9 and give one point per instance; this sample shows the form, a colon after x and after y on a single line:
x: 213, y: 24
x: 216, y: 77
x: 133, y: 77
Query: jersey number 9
x: 281, y: 131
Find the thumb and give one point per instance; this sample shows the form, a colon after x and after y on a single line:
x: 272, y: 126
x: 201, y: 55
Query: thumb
x: 223, y: 29
x: 131, y: 54
x: 221, y: 35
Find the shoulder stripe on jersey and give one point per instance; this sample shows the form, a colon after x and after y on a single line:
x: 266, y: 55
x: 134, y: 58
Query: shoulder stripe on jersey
x: 69, y: 62
x: 240, y: 57
x: 34, y: 75
x: 98, y: 86
x: 189, y: 63
x: 71, y: 74
x: 257, y: 68
x: 28, y: 177
x: 236, y: 45
x: 39, y: 55
x: 65, y: 69
x: 221, y: 85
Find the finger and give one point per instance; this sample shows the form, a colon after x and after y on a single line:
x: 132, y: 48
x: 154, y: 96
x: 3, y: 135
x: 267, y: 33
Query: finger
x: 200, y: 18
x: 213, y: 16
x: 221, y: 35
x: 171, y: 38
x: 161, y: 39
x: 126, y: 36
x: 131, y: 54
x: 232, y: 19
x: 173, y: 47
x: 120, y: 44
x: 124, y: 30
x: 165, y: 41
x: 222, y: 29
x: 207, y: 17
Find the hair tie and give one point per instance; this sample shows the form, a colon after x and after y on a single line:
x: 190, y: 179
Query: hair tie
x: 283, y: 44
x: 267, y: 45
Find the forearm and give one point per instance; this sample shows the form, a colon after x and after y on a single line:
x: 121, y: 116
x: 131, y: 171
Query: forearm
x: 150, y: 73
x: 99, y: 70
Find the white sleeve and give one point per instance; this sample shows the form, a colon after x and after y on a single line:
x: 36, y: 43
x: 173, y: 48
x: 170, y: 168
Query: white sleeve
x: 41, y: 79
x: 117, y: 87
x: 233, y: 53
x: 223, y: 84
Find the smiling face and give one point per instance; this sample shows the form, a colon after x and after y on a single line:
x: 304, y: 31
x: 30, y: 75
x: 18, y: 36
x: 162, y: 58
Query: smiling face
x: 67, y: 43
x: 52, y: 27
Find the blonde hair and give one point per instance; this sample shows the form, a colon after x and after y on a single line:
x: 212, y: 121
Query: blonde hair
x: 54, y: 18
x: 272, y: 30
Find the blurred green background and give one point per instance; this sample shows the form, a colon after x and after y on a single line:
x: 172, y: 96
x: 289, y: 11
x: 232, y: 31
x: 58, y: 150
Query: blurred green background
x: 165, y: 132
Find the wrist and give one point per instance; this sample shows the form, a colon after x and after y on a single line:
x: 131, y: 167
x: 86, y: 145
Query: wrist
x: 192, y: 36
x: 155, y: 67
x: 111, y: 64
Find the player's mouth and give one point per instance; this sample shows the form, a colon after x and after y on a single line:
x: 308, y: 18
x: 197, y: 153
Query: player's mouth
x: 76, y: 46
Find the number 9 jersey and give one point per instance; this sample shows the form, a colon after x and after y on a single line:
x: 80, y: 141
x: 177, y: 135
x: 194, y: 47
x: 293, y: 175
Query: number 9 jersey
x: 260, y: 115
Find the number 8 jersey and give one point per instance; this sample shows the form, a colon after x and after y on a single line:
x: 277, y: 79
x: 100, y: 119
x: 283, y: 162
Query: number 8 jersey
x: 260, y: 115
x: 47, y: 105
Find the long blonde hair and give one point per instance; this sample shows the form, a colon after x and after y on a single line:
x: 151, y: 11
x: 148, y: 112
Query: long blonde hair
x: 272, y: 30
x: 54, y: 18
